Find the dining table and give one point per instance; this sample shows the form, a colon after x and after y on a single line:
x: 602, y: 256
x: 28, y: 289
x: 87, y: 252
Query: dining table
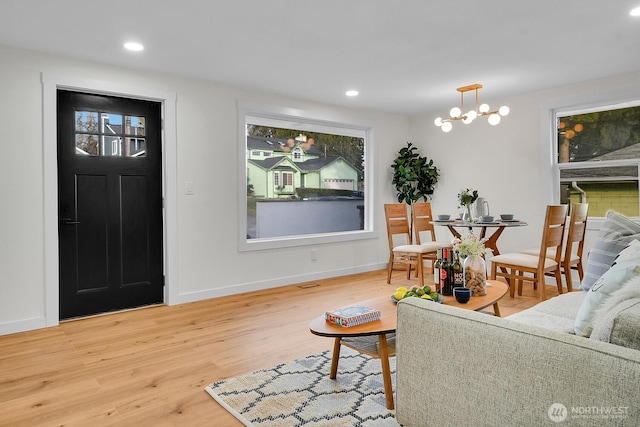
x: 494, y: 228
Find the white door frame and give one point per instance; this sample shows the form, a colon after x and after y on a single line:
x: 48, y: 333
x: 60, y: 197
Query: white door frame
x: 50, y: 84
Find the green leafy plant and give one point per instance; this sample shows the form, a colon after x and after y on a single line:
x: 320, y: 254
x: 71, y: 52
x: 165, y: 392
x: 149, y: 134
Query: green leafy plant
x: 414, y: 176
x: 466, y: 197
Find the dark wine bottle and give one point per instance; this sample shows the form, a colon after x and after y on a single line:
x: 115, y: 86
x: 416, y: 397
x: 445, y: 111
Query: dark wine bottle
x: 458, y: 272
x: 445, y: 273
x: 436, y: 270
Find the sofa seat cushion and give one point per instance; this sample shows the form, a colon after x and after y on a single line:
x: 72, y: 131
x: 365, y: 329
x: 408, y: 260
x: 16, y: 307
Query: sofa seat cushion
x: 557, y: 313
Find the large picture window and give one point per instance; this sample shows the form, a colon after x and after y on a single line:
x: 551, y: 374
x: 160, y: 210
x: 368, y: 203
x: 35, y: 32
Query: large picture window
x: 598, y: 156
x: 304, y: 178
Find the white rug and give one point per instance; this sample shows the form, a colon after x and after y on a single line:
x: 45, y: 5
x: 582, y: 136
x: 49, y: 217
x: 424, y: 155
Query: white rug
x: 300, y: 393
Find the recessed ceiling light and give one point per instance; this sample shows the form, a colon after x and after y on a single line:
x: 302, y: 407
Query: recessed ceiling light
x: 133, y: 46
x: 635, y: 12
x: 351, y: 93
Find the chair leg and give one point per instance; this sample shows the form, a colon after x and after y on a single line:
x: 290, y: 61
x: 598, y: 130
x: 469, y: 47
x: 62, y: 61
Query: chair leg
x: 567, y: 275
x: 558, y: 275
x: 389, y: 268
x: 420, y: 270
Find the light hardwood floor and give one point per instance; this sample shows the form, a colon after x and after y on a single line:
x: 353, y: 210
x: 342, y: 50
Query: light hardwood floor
x: 150, y: 366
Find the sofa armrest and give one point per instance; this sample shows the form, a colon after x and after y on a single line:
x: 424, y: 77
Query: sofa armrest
x: 459, y: 367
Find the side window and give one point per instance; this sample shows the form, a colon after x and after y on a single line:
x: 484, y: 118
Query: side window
x: 597, y: 158
x: 313, y: 186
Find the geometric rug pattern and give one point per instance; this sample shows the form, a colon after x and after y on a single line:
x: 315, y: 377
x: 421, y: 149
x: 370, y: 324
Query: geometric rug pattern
x: 300, y: 393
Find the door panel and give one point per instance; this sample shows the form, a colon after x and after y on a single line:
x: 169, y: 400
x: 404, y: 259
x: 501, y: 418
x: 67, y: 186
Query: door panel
x: 110, y: 203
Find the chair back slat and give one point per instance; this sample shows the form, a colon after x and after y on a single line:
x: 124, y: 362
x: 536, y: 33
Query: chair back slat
x: 553, y: 233
x: 397, y: 222
x: 577, y: 229
x: 422, y: 218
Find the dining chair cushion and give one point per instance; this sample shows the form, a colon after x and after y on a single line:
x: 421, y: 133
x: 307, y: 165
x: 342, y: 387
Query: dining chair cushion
x: 418, y: 249
x: 551, y: 253
x: 616, y: 233
x: 524, y: 260
x: 598, y: 294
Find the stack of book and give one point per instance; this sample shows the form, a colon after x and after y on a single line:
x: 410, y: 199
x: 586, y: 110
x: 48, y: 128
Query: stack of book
x: 352, y: 315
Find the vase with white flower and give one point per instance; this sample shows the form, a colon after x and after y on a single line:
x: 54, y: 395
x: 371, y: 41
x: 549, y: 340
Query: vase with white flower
x: 471, y: 248
x: 466, y: 198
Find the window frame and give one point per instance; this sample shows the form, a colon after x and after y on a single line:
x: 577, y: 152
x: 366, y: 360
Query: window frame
x: 302, y: 120
x: 625, y: 96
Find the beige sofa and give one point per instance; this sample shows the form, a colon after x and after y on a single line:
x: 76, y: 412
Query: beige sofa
x: 465, y: 368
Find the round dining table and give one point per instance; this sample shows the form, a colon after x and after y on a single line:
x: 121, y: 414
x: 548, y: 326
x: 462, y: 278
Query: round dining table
x: 496, y: 228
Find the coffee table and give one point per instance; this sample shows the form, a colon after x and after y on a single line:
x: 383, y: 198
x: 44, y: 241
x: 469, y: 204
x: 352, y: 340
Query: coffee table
x: 377, y: 339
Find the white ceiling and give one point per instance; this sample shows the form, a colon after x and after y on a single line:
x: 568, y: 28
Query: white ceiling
x: 404, y: 56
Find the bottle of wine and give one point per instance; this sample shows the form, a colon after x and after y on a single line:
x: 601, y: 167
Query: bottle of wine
x: 436, y: 270
x: 445, y: 273
x: 457, y: 270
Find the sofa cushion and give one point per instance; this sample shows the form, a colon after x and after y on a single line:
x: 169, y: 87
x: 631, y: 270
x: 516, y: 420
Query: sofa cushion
x: 616, y: 233
x: 610, y: 281
x: 557, y: 313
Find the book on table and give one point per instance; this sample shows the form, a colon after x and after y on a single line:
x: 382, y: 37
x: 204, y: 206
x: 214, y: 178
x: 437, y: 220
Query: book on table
x: 352, y: 315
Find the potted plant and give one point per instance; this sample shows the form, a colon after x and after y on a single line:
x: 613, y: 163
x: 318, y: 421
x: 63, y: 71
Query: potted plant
x: 414, y: 176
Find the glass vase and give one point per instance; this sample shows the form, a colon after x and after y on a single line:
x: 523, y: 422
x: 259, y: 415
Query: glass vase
x: 475, y: 274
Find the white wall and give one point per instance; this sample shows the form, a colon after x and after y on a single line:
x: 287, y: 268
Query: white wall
x: 208, y: 263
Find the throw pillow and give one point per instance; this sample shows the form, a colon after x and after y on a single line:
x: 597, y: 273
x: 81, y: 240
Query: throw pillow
x: 610, y: 281
x: 606, y: 313
x: 616, y: 233
x: 631, y: 251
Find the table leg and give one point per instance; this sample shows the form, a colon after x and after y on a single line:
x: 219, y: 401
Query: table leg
x: 492, y: 241
x: 336, y: 356
x: 386, y: 370
x: 453, y: 231
x: 496, y: 310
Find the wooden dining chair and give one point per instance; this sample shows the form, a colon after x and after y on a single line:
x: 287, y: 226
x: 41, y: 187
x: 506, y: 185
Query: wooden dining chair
x: 518, y: 267
x: 422, y: 219
x: 574, y: 244
x: 407, y: 253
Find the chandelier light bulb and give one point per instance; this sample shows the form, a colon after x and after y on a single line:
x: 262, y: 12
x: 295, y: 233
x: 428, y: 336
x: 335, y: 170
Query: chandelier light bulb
x: 494, y: 119
x: 484, y: 108
x: 471, y: 115
x: 455, y: 112
x: 446, y: 127
x: 438, y: 121
x: 504, y: 110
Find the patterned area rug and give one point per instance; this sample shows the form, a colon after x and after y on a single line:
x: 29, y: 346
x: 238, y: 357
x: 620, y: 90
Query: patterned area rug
x: 300, y: 393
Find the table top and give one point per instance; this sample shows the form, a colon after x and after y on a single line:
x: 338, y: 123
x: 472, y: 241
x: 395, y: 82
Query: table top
x: 388, y: 313
x: 495, y: 223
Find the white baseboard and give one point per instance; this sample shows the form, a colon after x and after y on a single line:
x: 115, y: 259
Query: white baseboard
x: 22, y: 325
x: 273, y: 283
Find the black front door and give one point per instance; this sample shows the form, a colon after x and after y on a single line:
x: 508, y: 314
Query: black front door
x: 109, y: 203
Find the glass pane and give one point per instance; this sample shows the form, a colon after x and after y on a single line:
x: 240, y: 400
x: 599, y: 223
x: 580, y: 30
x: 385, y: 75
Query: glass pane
x: 601, y: 135
x: 111, y: 124
x: 134, y: 125
x: 603, y: 188
x: 111, y: 146
x: 134, y: 147
x: 87, y: 121
x: 303, y: 183
x: 87, y: 145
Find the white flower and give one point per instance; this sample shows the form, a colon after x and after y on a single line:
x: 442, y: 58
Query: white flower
x: 469, y: 245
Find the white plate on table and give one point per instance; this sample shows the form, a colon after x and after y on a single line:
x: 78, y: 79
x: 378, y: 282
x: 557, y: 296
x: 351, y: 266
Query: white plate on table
x: 510, y: 220
x: 489, y: 222
x: 444, y: 220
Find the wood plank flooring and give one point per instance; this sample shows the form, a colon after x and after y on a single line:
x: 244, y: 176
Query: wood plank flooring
x: 150, y: 366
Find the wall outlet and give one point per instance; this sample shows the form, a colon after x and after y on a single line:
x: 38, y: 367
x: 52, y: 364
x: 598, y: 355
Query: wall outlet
x: 314, y: 255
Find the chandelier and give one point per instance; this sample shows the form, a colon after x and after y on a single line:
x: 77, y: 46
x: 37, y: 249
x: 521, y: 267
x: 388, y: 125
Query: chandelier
x: 480, y: 111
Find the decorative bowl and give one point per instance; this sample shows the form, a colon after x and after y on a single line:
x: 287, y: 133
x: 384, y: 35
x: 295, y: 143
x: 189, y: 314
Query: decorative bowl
x: 486, y: 218
x: 443, y: 217
x: 506, y: 217
x: 462, y: 294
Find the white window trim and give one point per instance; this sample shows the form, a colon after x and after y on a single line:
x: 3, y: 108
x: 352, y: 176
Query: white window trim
x: 550, y: 109
x: 305, y: 121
